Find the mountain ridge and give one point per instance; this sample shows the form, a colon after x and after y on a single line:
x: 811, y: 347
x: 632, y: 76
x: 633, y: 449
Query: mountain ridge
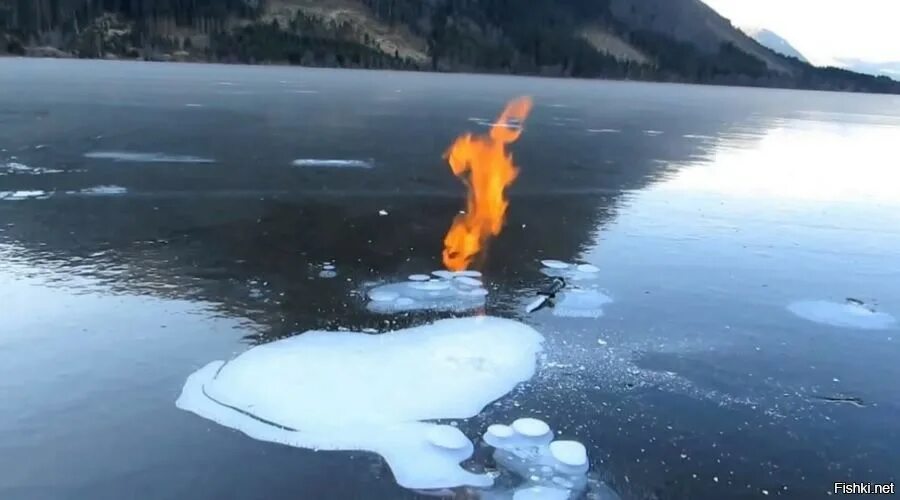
x: 659, y: 40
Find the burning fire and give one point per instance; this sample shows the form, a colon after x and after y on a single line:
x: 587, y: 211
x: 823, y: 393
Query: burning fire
x: 486, y: 168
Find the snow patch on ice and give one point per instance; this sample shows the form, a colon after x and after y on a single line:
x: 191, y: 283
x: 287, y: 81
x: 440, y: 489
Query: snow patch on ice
x: 110, y: 190
x: 138, y: 157
x: 849, y: 314
x: 332, y: 163
x: 445, y: 291
x: 354, y: 391
x: 16, y: 168
x: 24, y: 195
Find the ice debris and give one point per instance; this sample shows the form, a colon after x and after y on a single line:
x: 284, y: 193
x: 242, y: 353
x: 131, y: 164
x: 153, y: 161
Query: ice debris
x: 16, y: 168
x: 103, y: 191
x: 36, y: 194
x: 443, y: 291
x: 850, y: 314
x: 355, y: 391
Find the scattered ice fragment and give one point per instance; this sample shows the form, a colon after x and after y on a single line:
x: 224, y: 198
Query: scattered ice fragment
x: 588, y: 268
x: 137, y: 157
x: 602, y: 342
x: 419, y: 277
x: 332, y: 163
x: 555, y: 264
x: 16, y: 168
x: 353, y: 391
x: 850, y: 314
x: 110, y: 190
x: 382, y: 212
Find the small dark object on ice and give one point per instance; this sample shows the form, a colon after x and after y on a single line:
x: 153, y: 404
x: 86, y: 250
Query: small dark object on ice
x: 546, y: 295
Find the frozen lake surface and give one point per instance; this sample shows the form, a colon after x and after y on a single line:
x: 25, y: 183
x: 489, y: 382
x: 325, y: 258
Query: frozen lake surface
x: 727, y: 330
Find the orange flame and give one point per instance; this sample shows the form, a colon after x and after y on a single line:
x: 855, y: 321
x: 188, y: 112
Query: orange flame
x: 487, y: 169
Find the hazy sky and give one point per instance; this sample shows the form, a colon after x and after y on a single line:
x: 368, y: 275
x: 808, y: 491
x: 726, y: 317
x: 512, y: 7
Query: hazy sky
x: 824, y: 30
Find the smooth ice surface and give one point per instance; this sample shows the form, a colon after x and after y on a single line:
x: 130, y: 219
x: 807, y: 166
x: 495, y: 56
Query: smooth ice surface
x: 445, y: 291
x: 139, y: 157
x: 353, y: 391
x: 581, y: 303
x: 844, y: 315
x: 331, y: 163
x: 104, y: 191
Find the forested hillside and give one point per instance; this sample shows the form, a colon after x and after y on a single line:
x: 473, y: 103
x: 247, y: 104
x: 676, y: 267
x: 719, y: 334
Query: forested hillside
x: 667, y: 40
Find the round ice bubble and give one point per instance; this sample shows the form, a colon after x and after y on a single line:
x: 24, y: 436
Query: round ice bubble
x: 466, y: 280
x: 430, y: 286
x: 448, y: 437
x: 588, y: 268
x: 570, y: 453
x: 471, y: 273
x: 383, y: 296
x: 531, y: 427
x: 443, y: 273
x: 555, y: 264
x: 500, y: 431
x: 419, y: 277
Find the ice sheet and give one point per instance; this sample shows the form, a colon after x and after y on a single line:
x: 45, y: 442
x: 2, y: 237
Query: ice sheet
x: 353, y: 391
x: 442, y: 291
x: 842, y: 314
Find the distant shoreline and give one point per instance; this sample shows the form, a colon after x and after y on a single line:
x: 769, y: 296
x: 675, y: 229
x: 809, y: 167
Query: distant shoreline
x: 201, y: 61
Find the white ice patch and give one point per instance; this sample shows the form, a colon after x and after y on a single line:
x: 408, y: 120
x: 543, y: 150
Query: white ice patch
x: 136, y: 157
x: 16, y: 168
x: 24, y: 195
x: 353, y: 391
x: 110, y: 190
x: 332, y: 163
x: 652, y: 133
x: 845, y: 315
x: 445, y: 291
x: 604, y: 130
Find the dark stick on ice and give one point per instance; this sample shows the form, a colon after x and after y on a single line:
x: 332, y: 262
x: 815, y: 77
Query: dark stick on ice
x: 545, y: 295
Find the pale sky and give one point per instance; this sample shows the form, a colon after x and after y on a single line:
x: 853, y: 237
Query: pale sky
x: 824, y: 30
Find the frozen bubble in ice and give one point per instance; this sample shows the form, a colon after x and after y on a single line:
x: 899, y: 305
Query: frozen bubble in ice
x: 332, y: 163
x: 500, y: 431
x: 404, y: 302
x: 381, y: 391
x: 555, y: 264
x: 541, y: 493
x: 581, y: 303
x: 442, y: 273
x: 140, y: 157
x: 430, y: 285
x: 327, y: 273
x: 104, y: 191
x: 569, y: 453
x: 531, y: 427
x: 419, y: 277
x: 471, y: 273
x: 466, y: 280
x: 850, y: 314
x: 382, y: 212
x: 448, y: 437
x: 24, y: 195
x: 588, y: 268
x: 328, y: 267
x: 383, y: 295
